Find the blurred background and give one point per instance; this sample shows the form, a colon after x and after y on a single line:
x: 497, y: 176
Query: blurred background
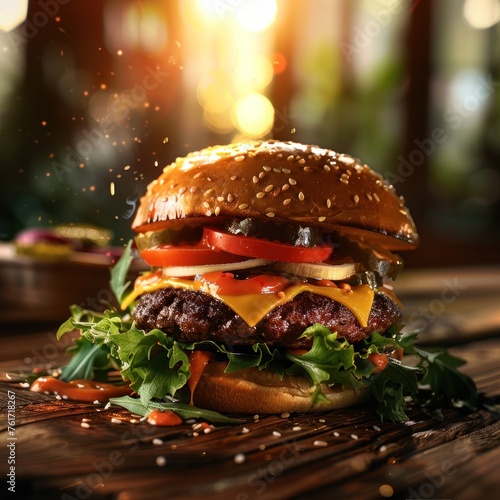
x: 97, y: 97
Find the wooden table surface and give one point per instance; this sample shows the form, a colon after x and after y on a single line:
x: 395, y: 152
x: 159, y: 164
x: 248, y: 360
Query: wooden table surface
x: 346, y: 454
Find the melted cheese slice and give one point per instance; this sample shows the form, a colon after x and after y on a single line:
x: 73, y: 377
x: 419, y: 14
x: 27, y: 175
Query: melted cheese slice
x: 253, y: 307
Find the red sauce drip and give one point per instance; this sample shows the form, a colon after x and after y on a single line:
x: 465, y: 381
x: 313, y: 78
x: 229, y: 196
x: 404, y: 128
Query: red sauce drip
x: 164, y: 418
x: 80, y: 390
x: 198, y: 360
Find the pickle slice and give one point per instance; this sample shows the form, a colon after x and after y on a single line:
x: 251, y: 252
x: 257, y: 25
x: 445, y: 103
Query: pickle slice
x: 297, y: 235
x: 171, y: 236
x: 376, y: 259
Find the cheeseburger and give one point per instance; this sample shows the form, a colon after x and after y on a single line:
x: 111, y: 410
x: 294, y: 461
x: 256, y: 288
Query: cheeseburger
x: 272, y: 265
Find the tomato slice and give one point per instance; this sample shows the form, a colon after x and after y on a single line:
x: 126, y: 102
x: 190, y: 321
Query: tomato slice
x: 227, y: 284
x: 187, y: 255
x: 250, y: 246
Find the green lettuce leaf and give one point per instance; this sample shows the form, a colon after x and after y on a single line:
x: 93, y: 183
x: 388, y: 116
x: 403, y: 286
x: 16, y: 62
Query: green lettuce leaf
x: 183, y: 410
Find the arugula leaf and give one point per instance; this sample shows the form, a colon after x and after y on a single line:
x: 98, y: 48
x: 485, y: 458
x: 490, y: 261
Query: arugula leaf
x: 185, y: 411
x: 86, y: 357
x: 446, y: 382
x: 119, y: 273
x: 390, y: 386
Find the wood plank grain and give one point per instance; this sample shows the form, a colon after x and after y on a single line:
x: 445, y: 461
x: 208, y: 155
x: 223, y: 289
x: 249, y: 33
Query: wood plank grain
x: 344, y: 454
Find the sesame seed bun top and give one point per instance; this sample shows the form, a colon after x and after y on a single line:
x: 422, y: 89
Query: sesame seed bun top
x: 284, y: 181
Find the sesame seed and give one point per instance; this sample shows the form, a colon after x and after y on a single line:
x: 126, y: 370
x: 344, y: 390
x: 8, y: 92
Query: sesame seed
x: 354, y: 436
x: 86, y: 420
x: 321, y: 219
x: 302, y: 161
x: 255, y: 179
x: 320, y: 443
x: 280, y: 155
x: 209, y: 179
x: 401, y: 211
x: 287, y: 201
x: 344, y: 180
x: 336, y: 434
x: 195, y: 176
x: 157, y: 441
x: 205, y: 204
x: 267, y: 169
x: 292, y: 181
x: 355, y: 198
x: 230, y: 198
x: 347, y: 160
x: 285, y: 415
x: 85, y: 425
x: 296, y: 428
x: 245, y: 430
x: 243, y: 206
x: 234, y: 177
x: 239, y: 158
x: 290, y: 158
x: 369, y: 196
x: 376, y: 428
x: 161, y: 461
x: 286, y: 170
x: 269, y: 188
x: 262, y: 175
x: 276, y: 434
x: 376, y: 196
x: 326, y: 168
x: 208, y: 213
x: 260, y: 194
x: 208, y: 192
x: 116, y: 421
x: 301, y: 196
x: 383, y: 448
x: 239, y: 458
x: 285, y: 187
x: 270, y: 214
x: 328, y: 203
x: 307, y: 169
x: 217, y: 210
x: 220, y: 198
x: 277, y: 170
x: 277, y: 191
x: 193, y: 189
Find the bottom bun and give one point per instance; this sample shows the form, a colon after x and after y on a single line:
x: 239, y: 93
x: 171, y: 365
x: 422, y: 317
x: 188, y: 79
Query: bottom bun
x: 262, y: 391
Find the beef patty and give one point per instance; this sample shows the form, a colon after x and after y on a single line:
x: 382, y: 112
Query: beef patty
x: 191, y: 316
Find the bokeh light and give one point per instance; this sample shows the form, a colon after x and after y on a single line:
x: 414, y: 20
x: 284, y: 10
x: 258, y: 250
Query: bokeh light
x: 12, y: 13
x: 482, y: 14
x: 256, y: 15
x: 254, y: 115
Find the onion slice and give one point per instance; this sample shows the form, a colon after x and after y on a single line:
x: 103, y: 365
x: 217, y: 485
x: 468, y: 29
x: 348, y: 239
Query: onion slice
x: 178, y: 271
x: 319, y: 271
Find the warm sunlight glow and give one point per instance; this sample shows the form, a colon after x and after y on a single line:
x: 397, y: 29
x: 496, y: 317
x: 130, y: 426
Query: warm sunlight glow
x: 12, y: 13
x: 256, y: 15
x: 482, y: 14
x: 254, y: 115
